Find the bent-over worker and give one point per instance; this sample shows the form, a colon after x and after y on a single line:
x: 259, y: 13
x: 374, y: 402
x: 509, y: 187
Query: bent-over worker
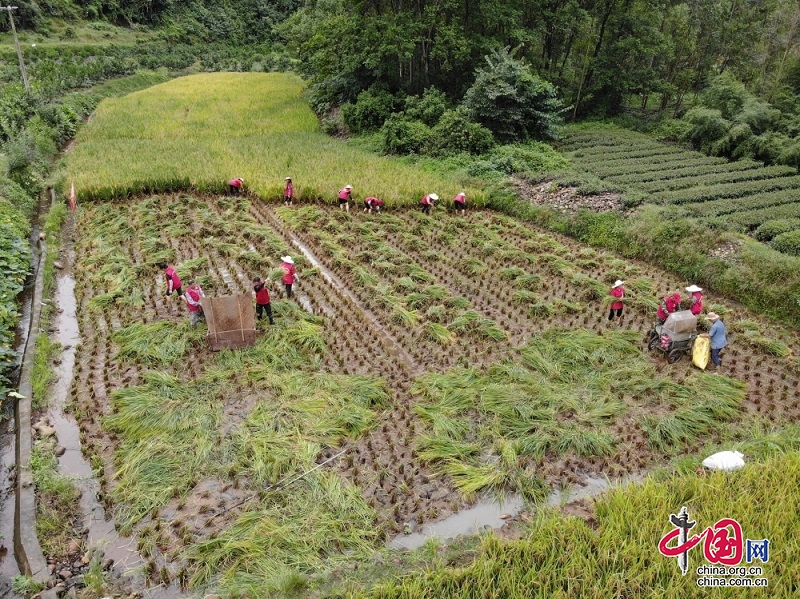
x: 192, y: 297
x: 235, y: 186
x: 172, y: 278
x: 668, y: 305
x: 696, y: 298
x: 372, y: 203
x: 345, y: 195
x: 262, y: 299
x: 427, y: 202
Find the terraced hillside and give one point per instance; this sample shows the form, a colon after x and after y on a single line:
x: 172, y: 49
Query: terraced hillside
x: 744, y: 196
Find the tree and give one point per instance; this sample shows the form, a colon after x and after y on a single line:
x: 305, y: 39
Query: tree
x: 512, y: 101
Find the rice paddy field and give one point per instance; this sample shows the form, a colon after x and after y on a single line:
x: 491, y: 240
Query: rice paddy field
x: 176, y: 135
x: 425, y: 362
x: 744, y: 195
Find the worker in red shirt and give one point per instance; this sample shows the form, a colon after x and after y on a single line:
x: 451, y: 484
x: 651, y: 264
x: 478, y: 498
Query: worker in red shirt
x: 192, y: 297
x: 618, y: 292
x: 696, y: 298
x: 460, y: 202
x: 372, y: 203
x: 289, y: 274
x: 172, y: 278
x: 345, y: 195
x: 235, y: 186
x: 668, y: 305
x: 262, y: 299
x: 288, y: 192
x: 427, y: 202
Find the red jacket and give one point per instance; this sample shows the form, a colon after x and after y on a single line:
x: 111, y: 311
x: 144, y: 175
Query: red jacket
x: 289, y: 191
x: 460, y: 198
x: 619, y: 292
x: 173, y: 278
x: 671, y: 303
x: 344, y: 194
x: 288, y: 276
x: 193, y: 299
x: 426, y: 201
x: 235, y: 183
x: 697, y: 303
x: 262, y: 295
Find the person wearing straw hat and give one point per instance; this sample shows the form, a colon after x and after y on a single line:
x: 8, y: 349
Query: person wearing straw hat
x: 236, y: 185
x: 289, y: 274
x: 696, y: 299
x: 288, y: 192
x: 617, y: 292
x: 460, y: 202
x: 427, y: 202
x: 719, y: 339
x: 345, y: 195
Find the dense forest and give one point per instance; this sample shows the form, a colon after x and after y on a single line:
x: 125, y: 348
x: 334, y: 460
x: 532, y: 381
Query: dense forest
x: 598, y: 53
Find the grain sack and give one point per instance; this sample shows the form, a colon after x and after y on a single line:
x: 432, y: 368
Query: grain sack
x: 701, y: 351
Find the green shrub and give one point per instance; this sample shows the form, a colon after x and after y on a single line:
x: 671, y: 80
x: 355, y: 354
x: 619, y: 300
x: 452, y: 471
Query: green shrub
x: 369, y: 112
x: 788, y: 243
x: 512, y: 101
x: 455, y: 134
x: 773, y: 228
x: 429, y: 108
x: 706, y: 126
x: 402, y: 135
x: 725, y: 94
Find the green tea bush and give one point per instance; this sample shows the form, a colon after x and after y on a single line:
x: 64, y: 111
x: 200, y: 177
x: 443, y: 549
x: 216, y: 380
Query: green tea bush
x: 773, y: 228
x: 731, y: 190
x: 788, y: 243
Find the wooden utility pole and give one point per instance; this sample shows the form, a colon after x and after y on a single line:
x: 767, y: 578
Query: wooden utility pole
x: 22, y: 70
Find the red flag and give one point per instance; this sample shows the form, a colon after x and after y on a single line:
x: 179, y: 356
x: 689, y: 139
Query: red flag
x: 72, y: 203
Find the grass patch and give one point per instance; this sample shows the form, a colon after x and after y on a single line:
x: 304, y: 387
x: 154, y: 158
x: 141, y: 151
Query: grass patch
x: 42, y: 374
x: 58, y: 508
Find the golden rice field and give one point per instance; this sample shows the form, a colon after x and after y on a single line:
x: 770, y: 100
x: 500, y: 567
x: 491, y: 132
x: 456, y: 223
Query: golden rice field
x: 203, y: 130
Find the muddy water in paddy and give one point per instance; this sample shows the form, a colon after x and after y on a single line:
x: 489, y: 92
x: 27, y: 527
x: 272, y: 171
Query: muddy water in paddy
x: 495, y: 514
x: 101, y: 531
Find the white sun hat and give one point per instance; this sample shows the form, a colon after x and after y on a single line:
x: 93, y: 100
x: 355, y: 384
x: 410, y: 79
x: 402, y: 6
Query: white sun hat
x: 288, y: 179
x: 693, y: 288
x: 617, y: 283
x: 348, y: 187
x: 287, y: 259
x: 433, y: 196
